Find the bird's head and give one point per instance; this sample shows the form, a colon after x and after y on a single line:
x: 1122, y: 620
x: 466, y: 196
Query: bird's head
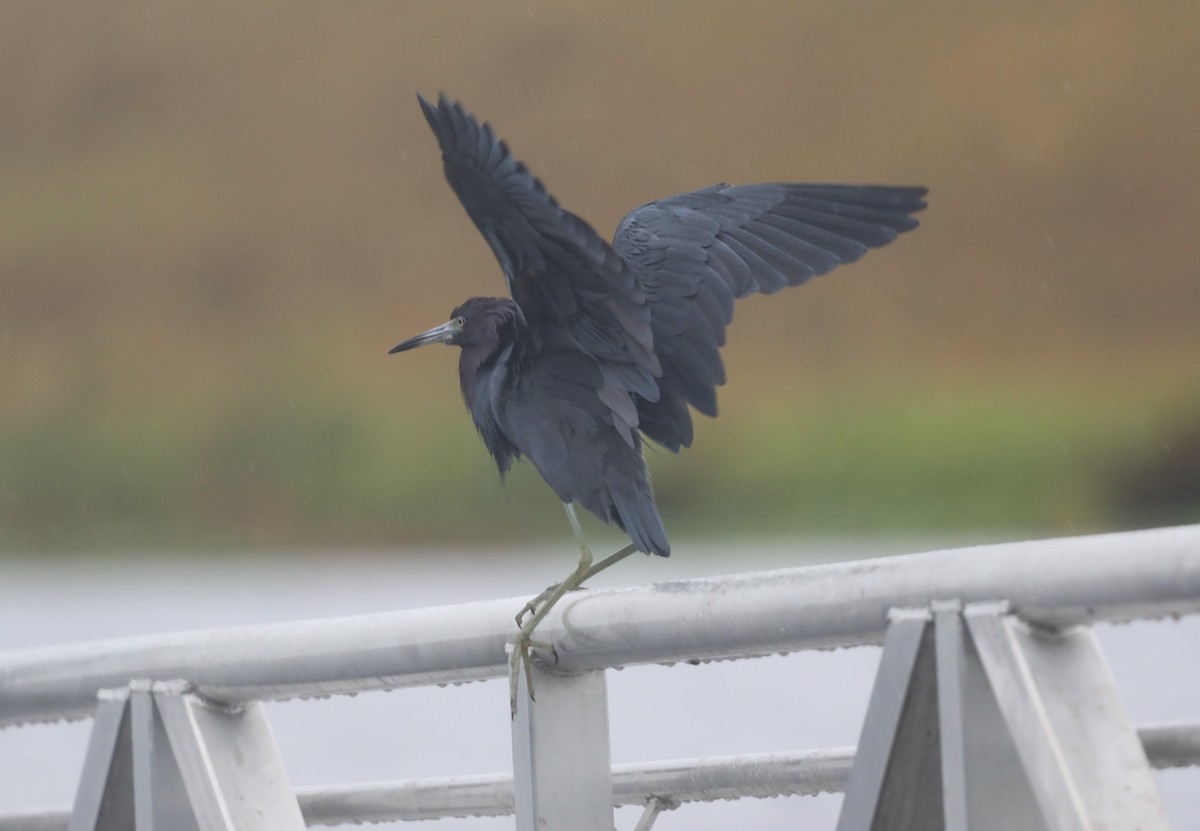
x: 479, y: 322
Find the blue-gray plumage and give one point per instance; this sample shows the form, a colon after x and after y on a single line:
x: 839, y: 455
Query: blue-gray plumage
x: 602, y: 345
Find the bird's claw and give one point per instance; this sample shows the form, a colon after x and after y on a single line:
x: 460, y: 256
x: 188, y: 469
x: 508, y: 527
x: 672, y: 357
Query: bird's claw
x: 522, y: 660
x: 520, y: 655
x: 531, y: 607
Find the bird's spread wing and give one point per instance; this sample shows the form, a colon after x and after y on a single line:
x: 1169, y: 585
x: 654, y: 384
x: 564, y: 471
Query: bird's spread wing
x: 571, y: 286
x: 695, y: 253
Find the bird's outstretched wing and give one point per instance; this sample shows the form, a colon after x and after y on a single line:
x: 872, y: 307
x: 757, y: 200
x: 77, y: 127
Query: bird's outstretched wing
x: 571, y: 286
x: 695, y: 253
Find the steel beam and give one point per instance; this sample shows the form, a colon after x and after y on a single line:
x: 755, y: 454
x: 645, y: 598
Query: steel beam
x: 1144, y: 574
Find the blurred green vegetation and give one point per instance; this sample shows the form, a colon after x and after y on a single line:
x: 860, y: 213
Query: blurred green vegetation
x: 298, y: 466
x: 215, y: 218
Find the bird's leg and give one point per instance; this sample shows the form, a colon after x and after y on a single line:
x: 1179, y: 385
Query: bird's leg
x: 521, y: 644
x: 583, y: 571
x: 611, y: 559
x: 532, y: 606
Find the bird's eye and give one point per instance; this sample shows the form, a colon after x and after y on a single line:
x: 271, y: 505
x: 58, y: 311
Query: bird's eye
x: 460, y: 322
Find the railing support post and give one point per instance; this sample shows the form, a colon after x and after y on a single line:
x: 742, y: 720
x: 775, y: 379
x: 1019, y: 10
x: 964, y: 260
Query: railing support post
x: 162, y: 758
x: 104, y: 799
x: 980, y: 722
x: 562, y: 773
x: 1085, y: 765
x: 896, y: 778
x: 985, y: 787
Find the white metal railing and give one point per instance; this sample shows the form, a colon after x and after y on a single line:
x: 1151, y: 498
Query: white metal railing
x: 759, y: 775
x: 984, y: 658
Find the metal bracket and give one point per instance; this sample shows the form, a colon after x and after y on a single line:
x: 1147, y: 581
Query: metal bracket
x: 655, y: 805
x: 162, y: 758
x: 978, y: 722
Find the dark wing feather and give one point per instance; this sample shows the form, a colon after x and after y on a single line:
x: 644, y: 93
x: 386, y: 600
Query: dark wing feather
x: 696, y: 252
x: 571, y: 286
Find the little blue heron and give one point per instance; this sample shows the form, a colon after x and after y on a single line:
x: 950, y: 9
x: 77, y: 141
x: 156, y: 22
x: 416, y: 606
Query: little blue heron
x: 602, y: 345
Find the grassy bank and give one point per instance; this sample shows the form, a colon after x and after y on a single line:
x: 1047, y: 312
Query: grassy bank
x: 274, y: 467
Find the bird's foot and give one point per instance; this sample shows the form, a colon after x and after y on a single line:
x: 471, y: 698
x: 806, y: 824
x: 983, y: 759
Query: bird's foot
x: 521, y: 661
x: 531, y: 607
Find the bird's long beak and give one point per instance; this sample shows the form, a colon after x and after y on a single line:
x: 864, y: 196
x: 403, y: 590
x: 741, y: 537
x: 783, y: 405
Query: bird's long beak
x: 438, y: 334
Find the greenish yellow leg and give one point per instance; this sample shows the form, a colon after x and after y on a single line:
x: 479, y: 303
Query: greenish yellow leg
x: 532, y: 606
x: 541, y: 605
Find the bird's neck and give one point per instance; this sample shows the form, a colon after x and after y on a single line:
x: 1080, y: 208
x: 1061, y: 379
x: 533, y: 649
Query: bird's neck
x: 475, y: 369
x: 483, y: 379
x: 485, y: 373
x: 481, y: 360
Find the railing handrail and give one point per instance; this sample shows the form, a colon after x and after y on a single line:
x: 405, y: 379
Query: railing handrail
x: 1059, y: 582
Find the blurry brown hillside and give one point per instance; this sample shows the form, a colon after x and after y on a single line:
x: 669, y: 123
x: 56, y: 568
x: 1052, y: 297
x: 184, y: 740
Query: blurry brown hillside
x: 216, y: 217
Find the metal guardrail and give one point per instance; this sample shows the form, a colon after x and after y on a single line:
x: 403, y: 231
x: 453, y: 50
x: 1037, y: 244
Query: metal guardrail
x: 1109, y: 577
x: 989, y: 636
x: 758, y: 776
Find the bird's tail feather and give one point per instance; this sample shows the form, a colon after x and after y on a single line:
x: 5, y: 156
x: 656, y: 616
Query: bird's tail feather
x: 637, y: 514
